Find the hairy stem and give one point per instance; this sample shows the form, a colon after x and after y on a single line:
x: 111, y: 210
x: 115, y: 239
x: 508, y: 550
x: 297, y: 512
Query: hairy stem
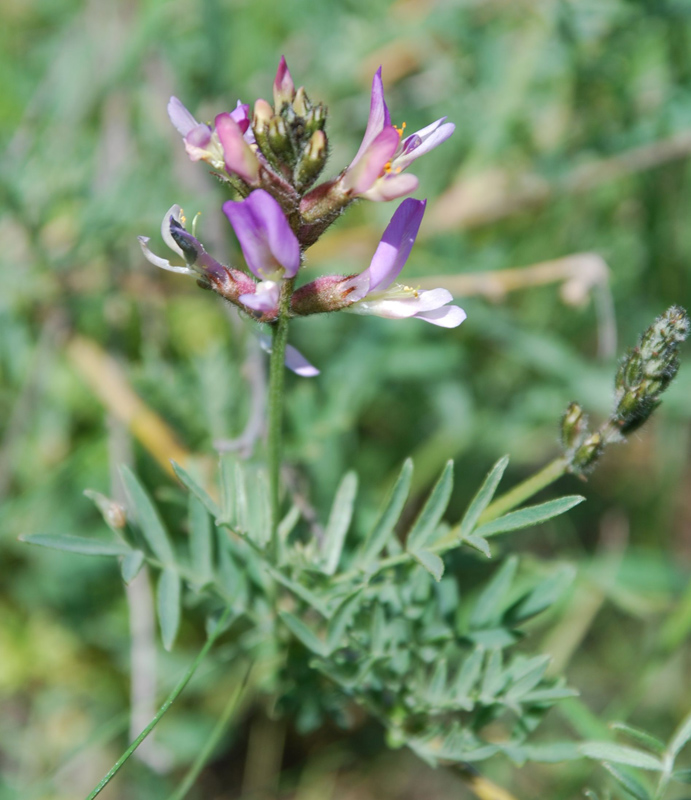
x: 279, y: 340
x: 172, y: 697
x: 524, y: 491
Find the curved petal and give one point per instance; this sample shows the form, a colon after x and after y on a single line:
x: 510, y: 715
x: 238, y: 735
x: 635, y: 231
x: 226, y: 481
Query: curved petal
x: 239, y: 156
x: 360, y: 176
x: 268, y: 244
x: 391, y: 187
x: 241, y: 115
x: 395, y: 245
x: 163, y: 263
x: 378, y: 119
x: 426, y: 139
x: 181, y: 118
x: 446, y: 317
x: 174, y: 213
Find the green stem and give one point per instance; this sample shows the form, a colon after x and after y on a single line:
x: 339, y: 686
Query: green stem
x: 279, y: 340
x: 524, y: 491
x: 172, y: 697
x: 206, y: 752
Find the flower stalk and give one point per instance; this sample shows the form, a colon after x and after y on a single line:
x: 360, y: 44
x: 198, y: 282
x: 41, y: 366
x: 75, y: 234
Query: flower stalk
x: 279, y: 341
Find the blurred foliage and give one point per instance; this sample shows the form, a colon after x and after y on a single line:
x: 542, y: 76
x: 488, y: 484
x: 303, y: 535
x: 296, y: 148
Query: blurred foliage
x: 546, y: 97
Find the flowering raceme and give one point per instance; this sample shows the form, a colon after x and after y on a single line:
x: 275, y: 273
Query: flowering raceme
x: 272, y: 161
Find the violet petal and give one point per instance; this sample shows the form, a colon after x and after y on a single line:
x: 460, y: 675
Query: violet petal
x: 395, y: 245
x: 268, y: 244
x: 378, y: 119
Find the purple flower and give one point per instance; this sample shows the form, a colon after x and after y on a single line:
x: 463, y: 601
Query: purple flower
x: 228, y: 144
x: 373, y: 291
x: 270, y: 247
x: 376, y: 171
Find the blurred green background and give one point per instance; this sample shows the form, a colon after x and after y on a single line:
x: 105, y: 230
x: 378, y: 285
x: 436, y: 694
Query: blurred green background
x: 573, y: 137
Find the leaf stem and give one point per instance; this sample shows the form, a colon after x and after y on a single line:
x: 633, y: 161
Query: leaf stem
x: 524, y: 491
x: 172, y: 697
x: 279, y: 340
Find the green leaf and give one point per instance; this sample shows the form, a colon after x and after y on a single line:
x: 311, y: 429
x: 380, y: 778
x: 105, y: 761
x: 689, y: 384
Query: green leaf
x: 544, y: 595
x: 532, y: 515
x: 432, y: 512
x: 383, y: 528
x: 483, y: 498
x: 632, y: 786
x: 147, y: 517
x: 341, y: 619
x: 467, y: 677
x: 632, y: 757
x: 437, y: 691
x: 682, y: 775
x: 430, y: 561
x: 490, y: 603
x: 131, y: 564
x: 304, y: 634
x: 541, y: 696
x: 494, y: 680
x: 643, y: 738
x: 286, y: 525
x: 201, y: 540
x: 532, y: 673
x: 680, y: 737
x: 552, y: 752
x: 168, y: 606
x: 76, y: 544
x: 339, y: 522
x: 479, y: 544
x: 201, y: 494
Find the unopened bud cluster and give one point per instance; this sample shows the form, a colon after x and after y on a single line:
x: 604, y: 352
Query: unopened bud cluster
x: 644, y: 374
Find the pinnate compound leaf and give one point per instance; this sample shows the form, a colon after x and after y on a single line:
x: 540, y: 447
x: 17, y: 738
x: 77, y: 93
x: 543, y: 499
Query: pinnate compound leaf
x: 131, y: 564
x: 201, y: 540
x: 643, y: 738
x: 339, y: 522
x: 490, y: 603
x: 529, y: 516
x: 201, y: 494
x: 483, y: 498
x: 680, y: 737
x: 76, y: 544
x: 147, y: 517
x: 430, y: 561
x: 619, y: 754
x: 628, y: 782
x: 168, y: 606
x: 425, y: 525
x: 298, y: 628
x: 383, y: 528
